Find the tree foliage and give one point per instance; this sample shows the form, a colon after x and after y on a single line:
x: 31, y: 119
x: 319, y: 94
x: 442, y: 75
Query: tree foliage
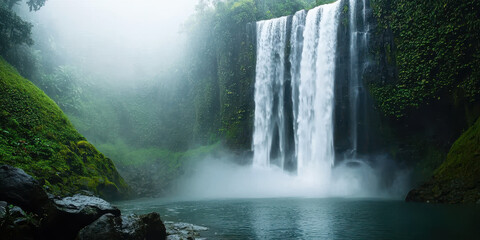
x: 13, y: 29
x: 34, y: 5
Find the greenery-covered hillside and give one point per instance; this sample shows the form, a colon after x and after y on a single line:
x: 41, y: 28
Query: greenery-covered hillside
x: 36, y: 136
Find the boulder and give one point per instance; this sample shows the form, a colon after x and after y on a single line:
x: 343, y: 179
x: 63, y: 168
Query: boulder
x: 129, y: 227
x: 73, y: 213
x: 85, y: 206
x: 28, y: 212
x: 21, y: 189
x: 153, y: 225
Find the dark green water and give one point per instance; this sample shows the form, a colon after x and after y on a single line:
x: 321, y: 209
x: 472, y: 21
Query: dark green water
x: 298, y: 218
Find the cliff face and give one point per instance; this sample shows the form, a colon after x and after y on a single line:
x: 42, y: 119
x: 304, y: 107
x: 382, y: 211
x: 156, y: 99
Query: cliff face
x: 37, y: 137
x: 427, y: 88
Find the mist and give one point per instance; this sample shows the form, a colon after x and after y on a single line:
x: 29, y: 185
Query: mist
x: 132, y: 53
x: 220, y: 177
x: 118, y: 40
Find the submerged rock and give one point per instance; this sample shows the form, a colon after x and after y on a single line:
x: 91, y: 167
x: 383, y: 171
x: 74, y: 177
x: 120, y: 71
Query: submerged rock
x: 183, y: 231
x: 129, y: 227
x: 21, y: 189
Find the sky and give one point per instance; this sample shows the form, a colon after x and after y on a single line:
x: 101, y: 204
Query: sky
x: 122, y: 39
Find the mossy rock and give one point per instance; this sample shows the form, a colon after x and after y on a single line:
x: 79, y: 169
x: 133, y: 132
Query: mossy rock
x: 457, y: 180
x: 36, y: 136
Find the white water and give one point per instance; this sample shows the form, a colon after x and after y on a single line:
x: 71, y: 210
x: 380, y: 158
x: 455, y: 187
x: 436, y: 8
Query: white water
x: 269, y: 95
x: 296, y: 42
x: 315, y: 154
x: 313, y: 67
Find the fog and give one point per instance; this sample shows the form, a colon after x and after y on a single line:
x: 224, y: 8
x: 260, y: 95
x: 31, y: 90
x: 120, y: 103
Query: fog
x: 221, y: 178
x: 119, y: 40
x: 124, y: 43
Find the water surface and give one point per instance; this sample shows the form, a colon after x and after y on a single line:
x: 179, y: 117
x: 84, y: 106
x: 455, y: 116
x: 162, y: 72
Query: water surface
x: 299, y: 218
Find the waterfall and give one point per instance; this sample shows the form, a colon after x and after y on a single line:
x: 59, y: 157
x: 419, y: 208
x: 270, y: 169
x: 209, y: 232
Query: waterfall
x: 311, y: 68
x: 354, y: 81
x: 315, y: 155
x: 269, y: 92
x: 312, y: 59
x: 296, y: 43
x: 358, y: 44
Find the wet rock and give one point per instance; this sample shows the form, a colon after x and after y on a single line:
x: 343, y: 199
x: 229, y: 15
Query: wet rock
x: 21, y: 189
x: 28, y: 212
x: 183, y: 231
x: 86, y: 206
x: 74, y: 213
x: 154, y: 227
x: 102, y: 228
x: 129, y: 227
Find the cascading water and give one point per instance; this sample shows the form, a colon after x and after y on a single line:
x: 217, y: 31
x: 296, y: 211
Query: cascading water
x: 312, y: 59
x: 358, y: 44
x: 296, y: 42
x: 269, y: 98
x: 315, y: 155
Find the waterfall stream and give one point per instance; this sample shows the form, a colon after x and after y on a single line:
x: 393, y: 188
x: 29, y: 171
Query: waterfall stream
x: 269, y: 81
x: 315, y: 153
x: 311, y: 51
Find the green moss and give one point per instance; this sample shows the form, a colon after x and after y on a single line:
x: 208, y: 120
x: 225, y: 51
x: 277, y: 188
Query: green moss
x: 457, y: 180
x: 35, y: 135
x: 463, y: 160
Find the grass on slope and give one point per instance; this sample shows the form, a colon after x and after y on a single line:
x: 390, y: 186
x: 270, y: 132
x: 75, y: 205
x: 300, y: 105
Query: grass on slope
x: 35, y: 135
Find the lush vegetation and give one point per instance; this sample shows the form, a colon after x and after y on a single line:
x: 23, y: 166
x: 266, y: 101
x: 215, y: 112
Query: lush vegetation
x: 207, y: 99
x: 36, y: 136
x: 436, y: 50
x: 463, y: 160
x: 152, y: 170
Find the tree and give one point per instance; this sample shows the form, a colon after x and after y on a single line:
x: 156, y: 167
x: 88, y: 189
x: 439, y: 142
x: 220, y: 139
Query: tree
x: 34, y: 5
x: 13, y: 29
